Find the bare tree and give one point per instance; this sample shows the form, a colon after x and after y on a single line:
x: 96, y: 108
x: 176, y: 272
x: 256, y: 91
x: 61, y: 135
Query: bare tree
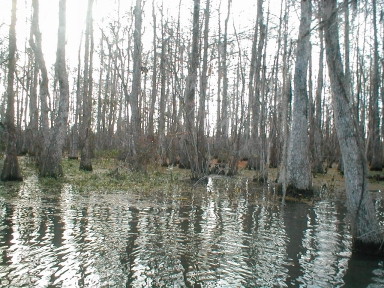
x: 299, y: 177
x: 11, y: 170
x: 50, y: 163
x: 136, y: 84
x: 375, y: 154
x: 189, y: 98
x: 85, y: 159
x: 366, y: 234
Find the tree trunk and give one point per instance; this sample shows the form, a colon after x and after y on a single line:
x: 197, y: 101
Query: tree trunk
x: 163, y: 98
x: 11, y: 170
x: 74, y: 138
x: 190, y: 90
x: 201, y: 139
x: 151, y: 129
x: 224, y: 101
x: 136, y: 86
x: 366, y: 234
x: 50, y: 164
x: 36, y: 45
x: 317, y: 137
x: 299, y: 177
x: 374, y: 119
x: 85, y: 157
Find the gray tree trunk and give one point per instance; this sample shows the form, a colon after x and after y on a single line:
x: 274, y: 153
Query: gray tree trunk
x: 190, y: 90
x: 224, y: 101
x: 317, y: 137
x: 366, y: 234
x: 201, y: 139
x: 151, y: 129
x: 36, y: 45
x: 299, y: 177
x: 11, y: 170
x: 85, y: 157
x: 50, y: 163
x: 163, y: 98
x: 74, y: 138
x: 374, y: 119
x: 136, y: 85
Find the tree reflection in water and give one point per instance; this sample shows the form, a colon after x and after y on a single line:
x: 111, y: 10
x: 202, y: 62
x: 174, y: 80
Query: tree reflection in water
x: 228, y: 234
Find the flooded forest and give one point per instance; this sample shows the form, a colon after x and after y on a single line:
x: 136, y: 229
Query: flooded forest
x: 191, y: 143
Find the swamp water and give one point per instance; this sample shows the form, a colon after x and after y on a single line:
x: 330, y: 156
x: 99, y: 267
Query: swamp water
x: 229, y: 233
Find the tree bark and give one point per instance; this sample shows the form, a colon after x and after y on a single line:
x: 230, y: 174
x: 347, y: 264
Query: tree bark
x: 151, y: 129
x: 36, y: 45
x: 190, y: 90
x: 366, y: 234
x: 136, y: 86
x: 374, y: 119
x: 299, y: 177
x: 50, y: 164
x: 11, y: 170
x: 317, y: 137
x: 224, y: 101
x: 201, y: 139
x: 85, y: 158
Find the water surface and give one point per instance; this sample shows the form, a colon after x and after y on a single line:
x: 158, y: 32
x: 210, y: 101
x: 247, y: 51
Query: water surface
x: 229, y: 233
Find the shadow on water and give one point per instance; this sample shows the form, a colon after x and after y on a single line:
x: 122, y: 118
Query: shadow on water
x: 228, y: 233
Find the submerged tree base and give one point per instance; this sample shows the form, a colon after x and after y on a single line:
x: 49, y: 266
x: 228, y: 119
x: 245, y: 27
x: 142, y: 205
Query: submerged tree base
x: 11, y: 170
x: 370, y: 249
x: 295, y: 192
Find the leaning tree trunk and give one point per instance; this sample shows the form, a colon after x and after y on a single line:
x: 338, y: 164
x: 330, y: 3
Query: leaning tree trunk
x: 85, y: 159
x: 11, y: 170
x: 366, y: 234
x: 50, y: 163
x: 299, y: 177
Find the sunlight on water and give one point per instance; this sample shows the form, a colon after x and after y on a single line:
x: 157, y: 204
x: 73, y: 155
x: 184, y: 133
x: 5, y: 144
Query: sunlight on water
x: 231, y: 234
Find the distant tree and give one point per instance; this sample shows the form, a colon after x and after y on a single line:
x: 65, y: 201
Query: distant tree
x: 299, y: 177
x: 50, y: 163
x: 367, y: 235
x: 11, y: 170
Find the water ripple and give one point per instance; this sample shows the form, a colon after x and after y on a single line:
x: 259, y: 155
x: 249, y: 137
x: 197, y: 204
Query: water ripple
x: 231, y: 235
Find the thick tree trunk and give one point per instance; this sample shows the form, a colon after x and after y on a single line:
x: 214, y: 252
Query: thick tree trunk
x: 11, y: 170
x: 85, y: 158
x: 366, y: 234
x: 299, y: 177
x: 50, y: 163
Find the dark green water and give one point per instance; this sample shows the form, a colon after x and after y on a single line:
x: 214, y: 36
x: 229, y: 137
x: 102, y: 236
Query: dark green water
x: 227, y: 234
